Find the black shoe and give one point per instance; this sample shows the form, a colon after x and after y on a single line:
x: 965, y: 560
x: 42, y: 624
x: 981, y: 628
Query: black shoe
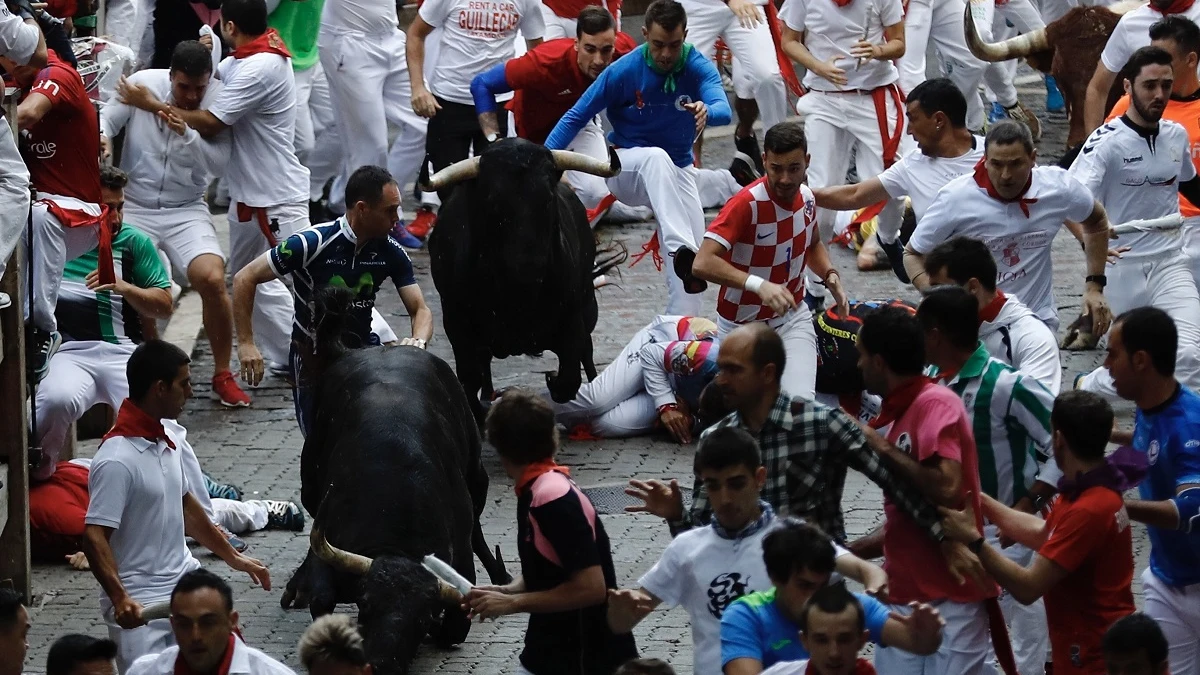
x: 284, y: 516
x: 742, y: 168
x: 749, y: 147
x: 684, y: 258
x: 41, y: 347
x: 895, y: 255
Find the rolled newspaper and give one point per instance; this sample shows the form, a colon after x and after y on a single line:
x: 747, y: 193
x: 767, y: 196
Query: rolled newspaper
x: 1171, y: 222
x: 446, y: 573
x: 160, y: 610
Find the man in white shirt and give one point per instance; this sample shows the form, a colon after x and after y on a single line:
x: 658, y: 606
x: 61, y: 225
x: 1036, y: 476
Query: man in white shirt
x: 1017, y: 208
x: 705, y: 569
x: 1008, y: 328
x: 1132, y: 33
x: 476, y: 35
x: 1137, y: 165
x: 946, y: 149
x: 205, y: 626
x: 170, y: 167
x: 22, y: 43
x: 268, y: 186
x: 141, y: 505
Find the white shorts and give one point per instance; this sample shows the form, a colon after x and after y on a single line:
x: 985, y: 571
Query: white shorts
x: 184, y: 233
x: 1177, y: 611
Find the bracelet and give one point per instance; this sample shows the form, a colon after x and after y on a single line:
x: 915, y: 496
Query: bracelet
x: 753, y: 283
x: 832, y: 271
x: 667, y: 406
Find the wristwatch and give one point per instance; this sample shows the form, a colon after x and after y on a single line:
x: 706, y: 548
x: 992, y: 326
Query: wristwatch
x: 1100, y: 280
x: 976, y: 546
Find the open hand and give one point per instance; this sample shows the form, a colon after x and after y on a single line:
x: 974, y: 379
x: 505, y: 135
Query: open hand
x: 658, y: 498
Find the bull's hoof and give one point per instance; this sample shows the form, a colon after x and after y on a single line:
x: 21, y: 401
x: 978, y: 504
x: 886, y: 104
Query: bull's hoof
x: 1080, y: 336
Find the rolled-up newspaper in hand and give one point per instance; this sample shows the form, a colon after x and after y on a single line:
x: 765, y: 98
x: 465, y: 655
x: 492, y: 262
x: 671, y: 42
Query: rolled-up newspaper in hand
x: 159, y: 610
x: 1171, y: 222
x: 446, y: 573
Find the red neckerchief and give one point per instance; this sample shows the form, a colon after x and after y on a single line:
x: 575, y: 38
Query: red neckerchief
x: 983, y: 180
x: 133, y: 422
x: 533, y: 471
x: 267, y: 43
x: 861, y: 667
x: 1176, y: 7
x: 842, y: 3
x: 181, y: 666
x: 990, y: 311
x: 898, y: 400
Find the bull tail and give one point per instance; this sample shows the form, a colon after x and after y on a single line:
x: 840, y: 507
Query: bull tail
x: 610, y: 255
x: 493, y: 564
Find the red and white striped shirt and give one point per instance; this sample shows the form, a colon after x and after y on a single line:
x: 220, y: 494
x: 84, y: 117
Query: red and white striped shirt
x: 765, y: 238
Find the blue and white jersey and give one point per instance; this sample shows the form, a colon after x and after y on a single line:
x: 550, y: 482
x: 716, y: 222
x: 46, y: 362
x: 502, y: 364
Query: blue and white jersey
x: 324, y: 255
x: 1170, y: 437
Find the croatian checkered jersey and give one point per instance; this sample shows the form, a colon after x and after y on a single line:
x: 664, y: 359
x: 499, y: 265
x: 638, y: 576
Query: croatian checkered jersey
x: 765, y: 238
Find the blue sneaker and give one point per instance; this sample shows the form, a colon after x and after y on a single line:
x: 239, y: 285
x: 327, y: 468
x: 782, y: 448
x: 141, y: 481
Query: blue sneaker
x: 1054, y: 98
x: 997, y: 113
x: 401, y: 234
x: 221, y: 490
x: 235, y: 542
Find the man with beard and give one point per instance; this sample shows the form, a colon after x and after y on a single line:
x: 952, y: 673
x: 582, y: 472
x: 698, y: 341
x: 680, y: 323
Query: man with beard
x: 1136, y: 166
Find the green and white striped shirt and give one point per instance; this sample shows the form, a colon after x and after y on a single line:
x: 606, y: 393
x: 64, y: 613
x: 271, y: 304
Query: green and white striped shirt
x: 1010, y: 417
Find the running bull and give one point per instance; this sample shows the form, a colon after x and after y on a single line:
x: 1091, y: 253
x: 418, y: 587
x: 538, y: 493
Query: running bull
x: 392, y: 469
x: 514, y: 261
x: 1068, y: 48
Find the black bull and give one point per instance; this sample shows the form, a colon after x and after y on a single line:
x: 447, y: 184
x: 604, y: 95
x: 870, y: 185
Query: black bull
x: 513, y: 259
x: 392, y: 469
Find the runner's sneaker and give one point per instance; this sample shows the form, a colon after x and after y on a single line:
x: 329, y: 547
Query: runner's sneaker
x: 749, y: 146
x: 237, y: 543
x: 42, y: 347
x: 742, y: 168
x: 221, y: 490
x: 684, y: 257
x: 1024, y: 115
x: 1054, y: 98
x: 284, y: 515
x: 996, y: 113
x: 401, y: 234
x: 226, y: 390
x: 423, y: 222
x: 5, y: 301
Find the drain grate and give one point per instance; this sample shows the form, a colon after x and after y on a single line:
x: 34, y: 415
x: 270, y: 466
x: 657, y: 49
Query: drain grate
x: 611, y: 499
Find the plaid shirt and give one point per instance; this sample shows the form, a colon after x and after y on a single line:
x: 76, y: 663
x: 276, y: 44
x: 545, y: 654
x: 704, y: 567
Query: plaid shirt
x: 806, y: 448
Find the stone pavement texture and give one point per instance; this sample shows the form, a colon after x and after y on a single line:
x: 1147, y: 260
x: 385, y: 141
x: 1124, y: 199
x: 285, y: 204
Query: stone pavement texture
x: 259, y: 449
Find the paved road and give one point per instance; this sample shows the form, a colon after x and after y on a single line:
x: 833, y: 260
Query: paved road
x: 259, y: 449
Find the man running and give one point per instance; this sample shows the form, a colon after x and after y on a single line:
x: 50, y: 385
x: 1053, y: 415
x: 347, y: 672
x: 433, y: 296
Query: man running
x: 1137, y: 166
x: 659, y: 100
x: 1017, y: 208
x: 758, y: 249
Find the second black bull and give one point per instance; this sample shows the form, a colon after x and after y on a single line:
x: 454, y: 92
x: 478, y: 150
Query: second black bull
x: 514, y: 261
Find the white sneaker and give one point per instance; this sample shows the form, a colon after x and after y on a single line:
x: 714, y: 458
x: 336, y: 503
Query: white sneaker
x: 5, y: 301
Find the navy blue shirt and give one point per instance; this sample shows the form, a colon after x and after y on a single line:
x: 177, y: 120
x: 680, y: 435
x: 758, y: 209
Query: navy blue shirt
x: 324, y: 255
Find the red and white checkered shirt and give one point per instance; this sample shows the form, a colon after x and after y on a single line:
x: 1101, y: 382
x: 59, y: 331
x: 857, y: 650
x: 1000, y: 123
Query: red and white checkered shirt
x: 767, y: 239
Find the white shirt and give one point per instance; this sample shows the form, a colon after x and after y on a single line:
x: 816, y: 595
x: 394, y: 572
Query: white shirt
x: 1133, y: 32
x: 258, y: 102
x: 18, y: 40
x: 919, y: 176
x: 1020, y: 244
x: 1136, y: 176
x: 788, y: 668
x: 246, y: 661
x: 165, y: 170
x: 831, y: 31
x: 360, y: 16
x: 1021, y: 340
x: 476, y: 35
x: 137, y: 489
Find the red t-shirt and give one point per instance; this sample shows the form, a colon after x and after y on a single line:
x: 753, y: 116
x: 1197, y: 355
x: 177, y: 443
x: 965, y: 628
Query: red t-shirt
x: 62, y: 150
x: 935, y: 424
x: 547, y: 82
x: 1091, y: 539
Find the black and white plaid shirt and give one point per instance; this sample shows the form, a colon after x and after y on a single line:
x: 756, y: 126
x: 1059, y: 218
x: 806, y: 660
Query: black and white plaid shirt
x: 806, y: 448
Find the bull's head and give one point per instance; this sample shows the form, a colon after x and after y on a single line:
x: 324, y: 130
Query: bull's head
x: 399, y: 604
x: 564, y: 160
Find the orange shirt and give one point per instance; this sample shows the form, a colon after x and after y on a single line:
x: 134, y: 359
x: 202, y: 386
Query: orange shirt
x: 1186, y: 113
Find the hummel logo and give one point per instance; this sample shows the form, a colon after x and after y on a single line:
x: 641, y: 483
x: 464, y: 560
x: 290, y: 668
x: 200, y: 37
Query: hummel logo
x: 1132, y: 160
x: 565, y: 92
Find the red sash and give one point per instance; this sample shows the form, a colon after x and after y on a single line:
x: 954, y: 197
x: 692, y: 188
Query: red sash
x: 785, y: 64
x: 891, y: 142
x: 104, y: 234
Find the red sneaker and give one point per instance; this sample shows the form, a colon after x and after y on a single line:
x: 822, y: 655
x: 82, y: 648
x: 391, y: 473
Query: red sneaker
x: 226, y: 390
x: 422, y: 223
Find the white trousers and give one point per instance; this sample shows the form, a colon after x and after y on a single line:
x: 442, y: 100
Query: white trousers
x: 273, y: 308
x: 559, y: 27
x: 965, y: 643
x: 369, y: 82
x: 52, y: 246
x: 649, y: 178
x: 240, y: 517
x: 183, y: 233
x: 1191, y: 247
x: 835, y: 123
x: 81, y: 375
x: 589, y: 141
x: 14, y: 198
x: 1177, y: 611
x: 1027, y: 628
x: 1024, y: 18
x: 757, y: 70
x: 1166, y: 283
x: 318, y: 142
x: 941, y: 23
x: 153, y: 638
x: 799, y: 344
x: 715, y: 187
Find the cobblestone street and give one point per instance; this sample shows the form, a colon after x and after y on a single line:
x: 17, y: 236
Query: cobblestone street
x: 258, y: 449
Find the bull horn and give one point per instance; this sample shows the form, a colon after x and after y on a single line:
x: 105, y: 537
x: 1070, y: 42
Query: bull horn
x: 455, y: 173
x: 346, y: 561
x: 566, y: 160
x: 448, y: 593
x: 1012, y: 48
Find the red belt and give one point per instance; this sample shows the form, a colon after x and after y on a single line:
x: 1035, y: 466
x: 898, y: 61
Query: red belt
x: 891, y: 142
x: 259, y: 214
